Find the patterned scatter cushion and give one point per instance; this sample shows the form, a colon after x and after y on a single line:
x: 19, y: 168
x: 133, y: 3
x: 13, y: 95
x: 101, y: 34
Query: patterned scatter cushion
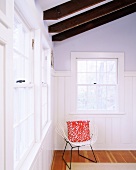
x: 78, y: 131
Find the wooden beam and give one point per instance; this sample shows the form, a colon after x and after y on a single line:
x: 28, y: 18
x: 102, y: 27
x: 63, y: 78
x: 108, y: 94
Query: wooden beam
x: 68, y: 8
x: 95, y: 23
x: 89, y: 15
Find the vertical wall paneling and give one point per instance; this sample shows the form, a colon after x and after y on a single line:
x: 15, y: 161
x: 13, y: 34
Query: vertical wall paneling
x: 114, y: 131
x: 61, y: 99
x: 108, y: 130
x: 61, y: 105
x: 55, y: 107
x: 67, y: 95
x: 44, y: 156
x: 126, y: 121
x: 101, y: 124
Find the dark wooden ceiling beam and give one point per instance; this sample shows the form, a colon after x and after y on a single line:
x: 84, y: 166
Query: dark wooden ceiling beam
x: 68, y: 8
x: 95, y: 23
x: 89, y: 15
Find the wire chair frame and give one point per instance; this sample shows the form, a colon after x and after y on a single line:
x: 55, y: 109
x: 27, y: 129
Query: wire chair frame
x: 62, y: 132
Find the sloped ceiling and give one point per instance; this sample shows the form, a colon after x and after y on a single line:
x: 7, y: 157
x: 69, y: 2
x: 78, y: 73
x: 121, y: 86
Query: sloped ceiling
x: 77, y: 16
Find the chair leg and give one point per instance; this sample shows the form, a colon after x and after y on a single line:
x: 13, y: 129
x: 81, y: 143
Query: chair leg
x: 69, y: 166
x: 93, y: 154
x: 86, y: 157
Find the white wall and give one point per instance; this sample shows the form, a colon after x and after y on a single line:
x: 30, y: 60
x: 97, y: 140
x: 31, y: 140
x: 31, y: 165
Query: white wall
x: 114, y: 131
x: 116, y: 36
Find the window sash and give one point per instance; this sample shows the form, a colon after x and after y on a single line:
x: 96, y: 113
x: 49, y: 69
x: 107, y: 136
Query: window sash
x: 22, y: 58
x: 23, y: 92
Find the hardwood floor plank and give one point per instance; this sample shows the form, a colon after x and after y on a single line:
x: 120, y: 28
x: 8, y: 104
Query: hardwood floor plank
x: 102, y: 156
x: 133, y: 154
x: 127, y: 156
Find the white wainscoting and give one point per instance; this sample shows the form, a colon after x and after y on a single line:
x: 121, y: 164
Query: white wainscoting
x: 43, y: 159
x: 115, y: 131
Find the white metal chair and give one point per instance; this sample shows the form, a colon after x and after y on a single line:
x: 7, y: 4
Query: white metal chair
x: 62, y: 131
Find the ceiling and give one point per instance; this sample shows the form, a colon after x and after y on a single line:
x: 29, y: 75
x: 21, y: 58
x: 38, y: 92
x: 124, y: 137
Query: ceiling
x: 66, y: 19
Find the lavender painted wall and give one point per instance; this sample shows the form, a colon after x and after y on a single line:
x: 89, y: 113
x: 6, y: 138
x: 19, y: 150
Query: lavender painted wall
x: 116, y: 36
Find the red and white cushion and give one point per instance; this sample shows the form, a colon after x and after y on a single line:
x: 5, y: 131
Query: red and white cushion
x: 78, y: 131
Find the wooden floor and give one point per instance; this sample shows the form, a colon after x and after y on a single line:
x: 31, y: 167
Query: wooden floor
x: 102, y: 157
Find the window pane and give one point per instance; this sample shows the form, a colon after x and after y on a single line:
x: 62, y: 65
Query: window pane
x: 19, y: 69
x: 81, y: 66
x: 111, y: 78
x: 101, y: 66
x: 91, y: 100
x: 81, y: 78
x: 101, y: 97
x: 111, y: 97
x: 91, y: 78
x: 111, y: 66
x: 91, y: 66
x: 101, y: 78
x: 81, y: 97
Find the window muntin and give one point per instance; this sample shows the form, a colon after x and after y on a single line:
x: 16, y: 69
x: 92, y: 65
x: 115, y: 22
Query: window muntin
x: 23, y: 92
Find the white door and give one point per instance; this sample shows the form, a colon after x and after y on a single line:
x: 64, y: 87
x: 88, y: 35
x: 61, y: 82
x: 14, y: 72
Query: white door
x: 1, y: 107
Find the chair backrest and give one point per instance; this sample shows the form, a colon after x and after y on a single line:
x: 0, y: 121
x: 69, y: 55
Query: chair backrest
x: 93, y: 132
x: 78, y: 131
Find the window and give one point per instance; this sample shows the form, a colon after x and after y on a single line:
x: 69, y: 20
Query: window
x: 23, y: 91
x: 98, y: 79
x: 96, y: 84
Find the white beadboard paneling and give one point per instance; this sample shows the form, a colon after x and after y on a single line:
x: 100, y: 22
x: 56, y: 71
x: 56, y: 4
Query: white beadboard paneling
x: 128, y: 95
x: 60, y: 107
x: 101, y: 125
x: 44, y: 156
x: 115, y: 131
x: 108, y: 130
x: 126, y: 121
x: 67, y: 95
x: 61, y: 98
x: 55, y: 114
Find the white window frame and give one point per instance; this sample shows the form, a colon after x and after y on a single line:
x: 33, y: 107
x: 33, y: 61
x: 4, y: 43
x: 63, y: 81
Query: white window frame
x: 120, y: 70
x: 26, y: 85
